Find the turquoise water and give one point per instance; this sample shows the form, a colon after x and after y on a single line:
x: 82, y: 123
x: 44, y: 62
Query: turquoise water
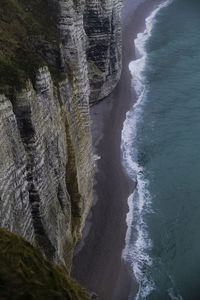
x: 161, y: 149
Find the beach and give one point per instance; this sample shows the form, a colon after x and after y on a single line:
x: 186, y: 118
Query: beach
x: 97, y: 263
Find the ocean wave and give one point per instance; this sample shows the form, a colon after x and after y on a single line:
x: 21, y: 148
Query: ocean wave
x: 138, y: 242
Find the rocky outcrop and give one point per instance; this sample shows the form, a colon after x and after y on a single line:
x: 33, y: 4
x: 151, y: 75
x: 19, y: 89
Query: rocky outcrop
x: 47, y: 162
x: 103, y: 29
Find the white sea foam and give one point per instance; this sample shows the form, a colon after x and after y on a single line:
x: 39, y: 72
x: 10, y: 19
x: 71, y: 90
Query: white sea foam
x: 173, y: 291
x: 138, y: 242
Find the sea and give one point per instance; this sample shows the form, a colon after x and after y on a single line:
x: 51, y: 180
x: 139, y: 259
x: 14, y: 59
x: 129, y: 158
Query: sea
x: 161, y: 152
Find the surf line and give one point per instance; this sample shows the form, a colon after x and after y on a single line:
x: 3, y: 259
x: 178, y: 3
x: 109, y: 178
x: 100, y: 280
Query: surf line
x: 137, y: 241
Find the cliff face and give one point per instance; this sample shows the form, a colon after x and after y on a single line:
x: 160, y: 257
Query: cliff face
x: 103, y: 29
x: 46, y: 167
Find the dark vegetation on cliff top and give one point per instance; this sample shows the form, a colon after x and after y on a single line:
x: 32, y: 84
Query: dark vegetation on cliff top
x: 26, y: 274
x: 28, y: 40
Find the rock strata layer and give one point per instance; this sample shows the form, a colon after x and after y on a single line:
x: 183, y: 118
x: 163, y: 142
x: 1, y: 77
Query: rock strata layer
x: 103, y: 29
x: 47, y: 161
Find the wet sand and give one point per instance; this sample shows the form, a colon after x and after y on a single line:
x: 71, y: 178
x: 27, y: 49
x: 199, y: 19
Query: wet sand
x: 97, y: 260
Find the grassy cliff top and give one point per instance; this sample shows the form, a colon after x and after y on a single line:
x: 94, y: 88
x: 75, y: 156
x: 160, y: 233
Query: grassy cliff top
x: 24, y: 25
x: 26, y: 274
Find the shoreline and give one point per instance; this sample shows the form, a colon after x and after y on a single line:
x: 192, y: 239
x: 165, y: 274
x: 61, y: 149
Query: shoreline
x: 97, y: 263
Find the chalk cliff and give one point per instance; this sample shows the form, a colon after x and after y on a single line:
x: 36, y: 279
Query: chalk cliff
x: 55, y: 58
x: 103, y: 29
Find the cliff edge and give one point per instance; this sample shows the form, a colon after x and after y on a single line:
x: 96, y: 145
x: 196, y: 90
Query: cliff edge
x: 56, y: 57
x: 26, y: 274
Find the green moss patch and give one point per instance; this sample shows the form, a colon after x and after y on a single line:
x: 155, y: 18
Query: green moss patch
x: 26, y: 274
